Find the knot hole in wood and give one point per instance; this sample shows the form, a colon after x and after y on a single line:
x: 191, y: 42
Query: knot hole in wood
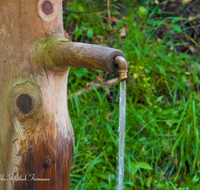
x: 24, y: 103
x: 47, y: 7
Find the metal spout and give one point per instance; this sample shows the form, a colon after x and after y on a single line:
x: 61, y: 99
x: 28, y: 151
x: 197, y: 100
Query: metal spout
x: 122, y: 67
x: 61, y: 53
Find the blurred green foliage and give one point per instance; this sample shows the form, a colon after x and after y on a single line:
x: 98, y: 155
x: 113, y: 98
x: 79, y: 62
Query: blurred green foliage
x: 163, y: 99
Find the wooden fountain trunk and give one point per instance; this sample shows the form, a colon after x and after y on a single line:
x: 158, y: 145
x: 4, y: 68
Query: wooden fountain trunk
x: 36, y: 136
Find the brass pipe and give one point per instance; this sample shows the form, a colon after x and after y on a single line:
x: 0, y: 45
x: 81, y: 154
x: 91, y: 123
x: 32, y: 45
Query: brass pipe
x: 122, y: 67
x: 59, y: 53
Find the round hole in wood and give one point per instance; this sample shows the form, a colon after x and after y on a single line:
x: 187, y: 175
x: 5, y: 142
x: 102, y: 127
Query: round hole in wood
x: 47, y: 7
x: 24, y: 103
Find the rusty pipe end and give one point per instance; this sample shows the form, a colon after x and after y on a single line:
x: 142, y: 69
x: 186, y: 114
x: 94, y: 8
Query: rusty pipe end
x: 122, y: 67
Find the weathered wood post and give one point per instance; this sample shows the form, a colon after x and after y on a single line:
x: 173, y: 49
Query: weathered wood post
x: 36, y: 135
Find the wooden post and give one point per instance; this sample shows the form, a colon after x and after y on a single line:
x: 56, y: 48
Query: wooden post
x: 36, y: 135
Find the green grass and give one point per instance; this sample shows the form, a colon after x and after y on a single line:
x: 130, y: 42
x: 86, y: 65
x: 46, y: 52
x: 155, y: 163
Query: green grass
x: 162, y: 126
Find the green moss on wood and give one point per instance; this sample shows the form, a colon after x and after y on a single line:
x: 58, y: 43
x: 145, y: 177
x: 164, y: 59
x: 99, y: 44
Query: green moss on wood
x: 46, y: 47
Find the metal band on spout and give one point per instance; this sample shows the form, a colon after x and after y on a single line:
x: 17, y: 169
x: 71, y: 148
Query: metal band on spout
x: 122, y: 67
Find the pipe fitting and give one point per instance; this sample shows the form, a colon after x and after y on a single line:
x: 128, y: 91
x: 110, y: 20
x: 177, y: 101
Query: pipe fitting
x: 122, y: 67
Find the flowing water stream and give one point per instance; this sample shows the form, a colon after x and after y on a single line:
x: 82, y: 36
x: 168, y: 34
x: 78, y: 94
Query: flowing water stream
x: 122, y: 123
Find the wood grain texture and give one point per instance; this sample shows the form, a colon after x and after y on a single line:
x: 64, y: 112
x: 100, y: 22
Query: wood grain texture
x: 40, y: 140
x: 36, y: 135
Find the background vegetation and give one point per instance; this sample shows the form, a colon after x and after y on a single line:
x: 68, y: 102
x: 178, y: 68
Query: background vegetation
x: 160, y: 40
